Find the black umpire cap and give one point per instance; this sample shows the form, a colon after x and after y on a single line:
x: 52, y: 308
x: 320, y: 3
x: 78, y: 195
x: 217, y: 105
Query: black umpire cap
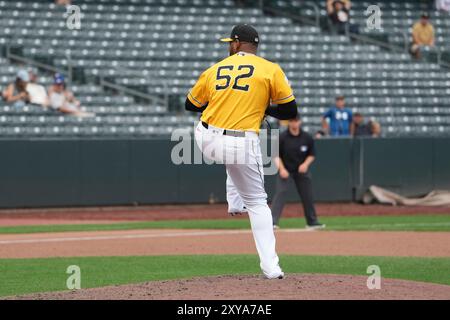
x: 243, y: 33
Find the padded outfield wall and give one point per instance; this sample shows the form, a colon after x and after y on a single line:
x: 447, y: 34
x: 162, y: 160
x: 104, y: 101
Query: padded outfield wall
x: 48, y: 173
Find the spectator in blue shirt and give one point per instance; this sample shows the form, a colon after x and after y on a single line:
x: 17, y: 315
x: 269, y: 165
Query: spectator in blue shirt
x: 339, y: 119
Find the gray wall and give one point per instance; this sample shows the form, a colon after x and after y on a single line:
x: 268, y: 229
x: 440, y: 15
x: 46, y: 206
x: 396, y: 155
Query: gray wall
x: 111, y: 172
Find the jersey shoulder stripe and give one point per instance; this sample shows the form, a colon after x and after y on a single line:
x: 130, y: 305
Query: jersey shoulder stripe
x: 198, y: 103
x: 278, y: 101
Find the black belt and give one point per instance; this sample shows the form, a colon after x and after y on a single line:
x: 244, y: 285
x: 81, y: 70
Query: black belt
x: 227, y: 132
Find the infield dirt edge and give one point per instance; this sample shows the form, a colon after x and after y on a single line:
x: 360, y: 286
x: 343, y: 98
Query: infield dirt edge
x: 255, y: 287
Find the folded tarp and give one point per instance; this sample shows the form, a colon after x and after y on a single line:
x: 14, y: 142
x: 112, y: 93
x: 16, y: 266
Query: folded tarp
x: 434, y: 198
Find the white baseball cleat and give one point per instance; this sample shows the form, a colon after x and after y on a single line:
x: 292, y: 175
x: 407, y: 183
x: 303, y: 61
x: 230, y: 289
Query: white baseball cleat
x: 317, y: 226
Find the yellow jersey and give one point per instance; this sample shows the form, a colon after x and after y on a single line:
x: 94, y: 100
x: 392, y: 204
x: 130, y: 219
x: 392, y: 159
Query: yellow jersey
x: 238, y: 91
x: 423, y: 33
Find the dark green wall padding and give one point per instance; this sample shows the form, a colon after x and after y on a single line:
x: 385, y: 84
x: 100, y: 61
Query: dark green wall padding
x: 52, y: 173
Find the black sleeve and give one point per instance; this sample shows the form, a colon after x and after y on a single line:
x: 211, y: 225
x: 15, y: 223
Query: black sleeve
x: 189, y: 106
x: 312, y: 147
x: 283, y: 111
x: 281, y: 146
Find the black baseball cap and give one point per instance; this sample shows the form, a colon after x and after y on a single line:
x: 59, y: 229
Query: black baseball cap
x: 243, y: 33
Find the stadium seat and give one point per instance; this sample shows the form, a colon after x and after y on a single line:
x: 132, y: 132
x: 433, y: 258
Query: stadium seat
x: 150, y: 46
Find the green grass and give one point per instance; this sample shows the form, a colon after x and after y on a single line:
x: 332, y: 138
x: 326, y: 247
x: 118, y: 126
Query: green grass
x: 21, y: 276
x: 373, y: 223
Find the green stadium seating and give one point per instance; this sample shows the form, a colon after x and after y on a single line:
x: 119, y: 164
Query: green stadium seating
x: 161, y: 46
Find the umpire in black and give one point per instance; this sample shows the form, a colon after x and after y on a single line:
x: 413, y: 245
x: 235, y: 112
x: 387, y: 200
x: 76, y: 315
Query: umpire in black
x: 297, y: 152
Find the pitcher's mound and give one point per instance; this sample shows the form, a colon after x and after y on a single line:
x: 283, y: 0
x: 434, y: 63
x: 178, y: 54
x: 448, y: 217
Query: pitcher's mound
x: 294, y: 286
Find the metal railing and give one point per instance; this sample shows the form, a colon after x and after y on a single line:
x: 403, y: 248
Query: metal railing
x: 32, y: 62
x: 104, y: 83
x: 132, y: 92
x: 316, y: 23
x: 386, y: 45
x: 293, y: 16
x: 136, y: 93
x: 361, y: 38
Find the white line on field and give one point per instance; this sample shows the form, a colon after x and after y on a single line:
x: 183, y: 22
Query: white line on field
x: 381, y: 225
x: 141, y: 236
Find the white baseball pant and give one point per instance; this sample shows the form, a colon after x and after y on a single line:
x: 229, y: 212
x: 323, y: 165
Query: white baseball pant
x: 234, y: 200
x: 245, y: 177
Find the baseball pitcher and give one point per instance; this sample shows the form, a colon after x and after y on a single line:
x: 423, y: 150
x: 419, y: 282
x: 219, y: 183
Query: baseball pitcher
x: 233, y: 97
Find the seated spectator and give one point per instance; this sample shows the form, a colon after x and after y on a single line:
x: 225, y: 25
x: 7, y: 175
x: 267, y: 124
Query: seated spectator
x: 422, y: 35
x: 339, y: 14
x: 37, y: 93
x: 16, y: 93
x: 443, y: 5
x: 339, y: 119
x: 63, y: 100
x: 361, y: 129
x: 330, y: 5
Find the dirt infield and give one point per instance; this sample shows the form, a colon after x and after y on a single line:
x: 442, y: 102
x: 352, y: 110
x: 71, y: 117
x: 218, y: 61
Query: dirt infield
x: 176, y: 242
x: 180, y: 212
x: 294, y: 287
x: 197, y: 242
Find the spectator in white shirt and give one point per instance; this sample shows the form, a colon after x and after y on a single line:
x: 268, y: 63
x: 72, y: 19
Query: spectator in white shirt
x: 37, y: 92
x: 63, y: 100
